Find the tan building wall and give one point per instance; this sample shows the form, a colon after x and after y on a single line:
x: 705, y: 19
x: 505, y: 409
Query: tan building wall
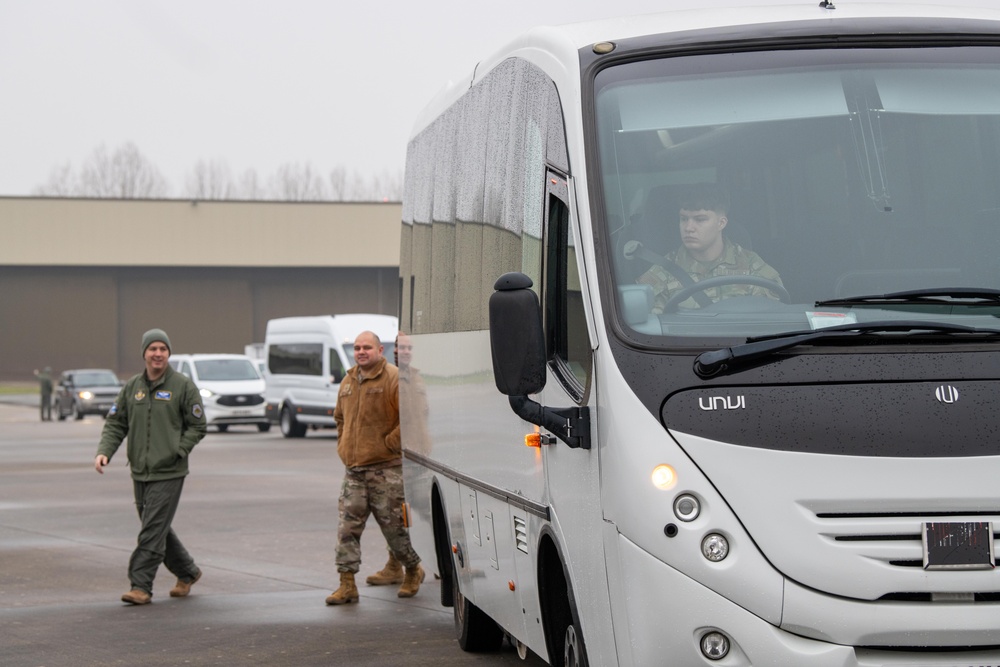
x: 80, y: 280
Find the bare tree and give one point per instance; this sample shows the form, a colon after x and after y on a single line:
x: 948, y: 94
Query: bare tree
x: 358, y: 190
x: 338, y: 183
x: 387, y: 186
x: 249, y: 187
x: 124, y: 174
x: 296, y: 182
x: 383, y: 186
x: 127, y: 174
x: 211, y: 180
x: 62, y: 183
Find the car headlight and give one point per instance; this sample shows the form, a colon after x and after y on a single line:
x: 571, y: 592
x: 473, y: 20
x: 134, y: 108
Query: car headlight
x: 206, y: 393
x: 86, y: 395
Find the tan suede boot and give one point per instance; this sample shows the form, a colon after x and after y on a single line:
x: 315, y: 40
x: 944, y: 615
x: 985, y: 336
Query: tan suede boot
x: 136, y: 596
x: 392, y: 573
x: 411, y: 582
x: 347, y: 592
x: 182, y: 588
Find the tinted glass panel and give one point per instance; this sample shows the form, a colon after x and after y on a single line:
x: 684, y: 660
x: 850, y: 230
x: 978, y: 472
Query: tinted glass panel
x: 295, y: 359
x: 818, y: 174
x: 96, y: 379
x: 226, y: 369
x: 474, y: 197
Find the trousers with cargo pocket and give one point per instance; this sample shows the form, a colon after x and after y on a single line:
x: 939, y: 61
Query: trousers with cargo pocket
x: 157, y: 503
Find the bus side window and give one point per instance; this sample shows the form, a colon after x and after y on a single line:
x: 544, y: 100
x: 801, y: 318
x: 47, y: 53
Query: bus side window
x: 567, y: 339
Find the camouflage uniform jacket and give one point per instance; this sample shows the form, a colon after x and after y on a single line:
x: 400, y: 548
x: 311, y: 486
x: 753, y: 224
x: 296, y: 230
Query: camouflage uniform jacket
x: 734, y: 261
x: 367, y: 415
x: 163, y: 421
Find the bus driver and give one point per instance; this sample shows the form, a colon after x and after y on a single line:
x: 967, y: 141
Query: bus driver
x: 706, y: 253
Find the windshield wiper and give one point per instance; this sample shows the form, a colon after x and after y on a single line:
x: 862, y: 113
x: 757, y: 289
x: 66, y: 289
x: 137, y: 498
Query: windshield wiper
x: 942, y: 296
x: 731, y: 359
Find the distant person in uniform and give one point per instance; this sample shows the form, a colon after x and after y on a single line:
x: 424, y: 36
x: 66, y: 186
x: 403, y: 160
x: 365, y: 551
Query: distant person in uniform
x: 706, y: 253
x: 45, y: 393
x: 161, y: 413
x: 367, y: 415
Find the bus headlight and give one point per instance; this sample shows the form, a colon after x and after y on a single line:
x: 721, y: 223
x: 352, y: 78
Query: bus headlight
x: 715, y: 547
x: 664, y: 477
x: 714, y: 645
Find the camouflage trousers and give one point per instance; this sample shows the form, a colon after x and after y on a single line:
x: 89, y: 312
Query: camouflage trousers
x: 378, y: 493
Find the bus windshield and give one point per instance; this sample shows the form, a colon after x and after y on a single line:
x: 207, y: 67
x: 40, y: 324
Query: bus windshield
x: 765, y: 192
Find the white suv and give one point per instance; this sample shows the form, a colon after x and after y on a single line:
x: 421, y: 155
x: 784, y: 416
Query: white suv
x: 232, y: 389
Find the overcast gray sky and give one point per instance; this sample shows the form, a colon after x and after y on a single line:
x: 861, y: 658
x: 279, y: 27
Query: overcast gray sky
x: 256, y: 84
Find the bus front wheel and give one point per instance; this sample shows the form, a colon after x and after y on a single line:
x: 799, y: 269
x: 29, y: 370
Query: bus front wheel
x: 574, y: 654
x: 476, y: 631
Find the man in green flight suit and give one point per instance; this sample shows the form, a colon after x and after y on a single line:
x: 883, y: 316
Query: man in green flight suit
x: 161, y: 413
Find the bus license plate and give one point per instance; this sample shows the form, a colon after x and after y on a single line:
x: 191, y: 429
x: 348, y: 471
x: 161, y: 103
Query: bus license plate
x: 958, y: 546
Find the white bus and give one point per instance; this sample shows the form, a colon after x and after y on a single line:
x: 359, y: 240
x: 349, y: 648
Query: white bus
x: 774, y: 445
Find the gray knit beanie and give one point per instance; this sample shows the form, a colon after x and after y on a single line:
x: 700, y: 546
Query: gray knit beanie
x: 152, y: 336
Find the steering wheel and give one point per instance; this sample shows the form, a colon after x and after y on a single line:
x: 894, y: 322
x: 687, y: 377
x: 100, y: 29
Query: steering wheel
x: 686, y: 293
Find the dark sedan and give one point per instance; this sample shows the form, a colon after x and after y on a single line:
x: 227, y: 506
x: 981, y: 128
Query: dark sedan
x: 85, y: 391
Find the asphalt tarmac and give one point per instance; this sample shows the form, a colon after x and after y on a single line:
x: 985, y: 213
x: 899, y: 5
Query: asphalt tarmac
x: 258, y: 514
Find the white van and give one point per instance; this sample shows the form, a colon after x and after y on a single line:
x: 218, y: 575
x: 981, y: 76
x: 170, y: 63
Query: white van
x: 232, y: 390
x: 307, y: 357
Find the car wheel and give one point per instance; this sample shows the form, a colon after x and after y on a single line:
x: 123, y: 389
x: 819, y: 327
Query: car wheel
x: 77, y: 415
x: 290, y: 427
x: 264, y: 427
x: 57, y: 408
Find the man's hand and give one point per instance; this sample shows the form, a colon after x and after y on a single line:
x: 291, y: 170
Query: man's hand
x: 99, y: 462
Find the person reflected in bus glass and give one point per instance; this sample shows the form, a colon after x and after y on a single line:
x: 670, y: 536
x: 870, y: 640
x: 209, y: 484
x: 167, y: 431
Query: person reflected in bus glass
x: 368, y: 444
x: 413, y: 406
x: 413, y: 434
x: 707, y: 253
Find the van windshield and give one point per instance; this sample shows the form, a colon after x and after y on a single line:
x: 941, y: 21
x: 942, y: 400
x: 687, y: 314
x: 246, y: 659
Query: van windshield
x: 759, y: 193
x: 226, y: 370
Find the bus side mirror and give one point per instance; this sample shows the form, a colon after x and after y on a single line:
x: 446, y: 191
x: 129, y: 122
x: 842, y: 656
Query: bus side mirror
x: 517, y: 343
x: 516, y: 338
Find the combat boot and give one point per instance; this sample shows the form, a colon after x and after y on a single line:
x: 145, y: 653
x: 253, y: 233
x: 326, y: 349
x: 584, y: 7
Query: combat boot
x: 347, y: 592
x: 392, y: 573
x: 182, y: 588
x: 411, y: 582
x: 137, y: 596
